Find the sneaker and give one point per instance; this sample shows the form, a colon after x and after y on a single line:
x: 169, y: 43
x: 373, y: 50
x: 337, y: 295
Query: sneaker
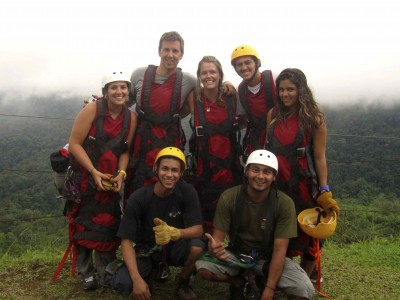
x: 314, y: 276
x: 184, y: 290
x: 89, y: 283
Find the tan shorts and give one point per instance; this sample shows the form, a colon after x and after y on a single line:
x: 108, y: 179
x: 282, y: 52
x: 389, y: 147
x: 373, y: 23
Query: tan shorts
x: 294, y: 280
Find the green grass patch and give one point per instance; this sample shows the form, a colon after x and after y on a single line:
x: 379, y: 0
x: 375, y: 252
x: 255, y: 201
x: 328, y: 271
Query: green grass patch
x: 363, y: 270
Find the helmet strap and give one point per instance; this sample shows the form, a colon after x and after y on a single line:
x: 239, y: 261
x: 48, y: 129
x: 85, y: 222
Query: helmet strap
x: 255, y: 71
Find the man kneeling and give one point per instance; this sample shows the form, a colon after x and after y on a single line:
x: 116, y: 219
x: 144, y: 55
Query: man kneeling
x: 163, y: 222
x: 259, y: 220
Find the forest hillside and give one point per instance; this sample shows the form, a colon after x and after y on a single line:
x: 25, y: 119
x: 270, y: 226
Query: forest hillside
x: 363, y: 157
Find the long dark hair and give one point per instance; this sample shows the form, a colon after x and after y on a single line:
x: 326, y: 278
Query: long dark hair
x: 308, y: 109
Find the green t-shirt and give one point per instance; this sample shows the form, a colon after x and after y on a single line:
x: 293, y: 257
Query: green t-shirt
x: 251, y: 233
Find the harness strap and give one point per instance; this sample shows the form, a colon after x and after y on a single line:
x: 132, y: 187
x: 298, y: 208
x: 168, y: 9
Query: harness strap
x: 292, y: 152
x: 148, y: 119
x: 318, y: 259
x: 228, y: 262
x: 269, y: 224
x: 154, y: 249
x: 205, y: 130
x: 72, y: 252
x: 269, y: 101
x: 145, y: 112
x: 100, y: 142
x: 267, y: 74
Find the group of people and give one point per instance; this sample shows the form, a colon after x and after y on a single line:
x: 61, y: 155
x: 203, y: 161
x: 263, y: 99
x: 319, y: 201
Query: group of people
x: 237, y: 215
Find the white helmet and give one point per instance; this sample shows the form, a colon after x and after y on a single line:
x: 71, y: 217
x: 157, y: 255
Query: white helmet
x: 263, y: 157
x: 115, y: 76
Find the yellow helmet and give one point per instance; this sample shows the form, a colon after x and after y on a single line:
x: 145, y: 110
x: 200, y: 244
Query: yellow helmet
x: 170, y: 151
x: 244, y: 50
x: 317, y: 223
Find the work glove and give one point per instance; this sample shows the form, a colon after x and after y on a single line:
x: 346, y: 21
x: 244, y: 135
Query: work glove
x: 326, y: 201
x: 165, y: 233
x: 109, y: 185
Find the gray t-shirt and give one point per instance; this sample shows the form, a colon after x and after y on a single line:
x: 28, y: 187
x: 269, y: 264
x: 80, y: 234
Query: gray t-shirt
x: 188, y: 84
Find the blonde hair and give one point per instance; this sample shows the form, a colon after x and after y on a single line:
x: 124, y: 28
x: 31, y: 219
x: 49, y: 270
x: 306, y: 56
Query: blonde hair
x: 213, y: 60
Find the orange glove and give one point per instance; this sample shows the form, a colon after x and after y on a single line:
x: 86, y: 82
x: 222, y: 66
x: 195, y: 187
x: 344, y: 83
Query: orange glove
x: 326, y: 201
x: 165, y: 233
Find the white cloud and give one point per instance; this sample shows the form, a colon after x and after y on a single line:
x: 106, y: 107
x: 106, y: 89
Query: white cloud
x: 348, y: 49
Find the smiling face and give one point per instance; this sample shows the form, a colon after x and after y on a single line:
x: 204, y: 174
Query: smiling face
x: 170, y: 53
x: 260, y: 177
x: 169, y: 172
x: 288, y: 93
x: 117, y: 92
x: 209, y: 76
x: 245, y: 67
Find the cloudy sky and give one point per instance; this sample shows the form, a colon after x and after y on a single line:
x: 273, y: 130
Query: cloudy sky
x: 349, y: 49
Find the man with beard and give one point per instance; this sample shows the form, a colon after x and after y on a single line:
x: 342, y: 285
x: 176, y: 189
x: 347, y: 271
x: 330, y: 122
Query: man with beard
x: 259, y: 220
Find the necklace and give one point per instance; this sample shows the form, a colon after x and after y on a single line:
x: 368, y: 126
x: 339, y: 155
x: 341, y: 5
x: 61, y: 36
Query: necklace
x: 208, y: 107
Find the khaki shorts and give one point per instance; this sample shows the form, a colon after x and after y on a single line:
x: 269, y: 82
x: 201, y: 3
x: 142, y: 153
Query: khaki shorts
x: 294, y: 280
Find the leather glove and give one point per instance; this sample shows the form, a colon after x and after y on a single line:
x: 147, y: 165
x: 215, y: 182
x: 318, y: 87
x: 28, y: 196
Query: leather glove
x: 109, y: 185
x: 165, y: 233
x: 326, y: 201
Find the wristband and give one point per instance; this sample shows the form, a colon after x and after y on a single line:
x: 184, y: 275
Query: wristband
x: 91, y: 170
x: 267, y: 286
x: 324, y: 188
x: 123, y: 172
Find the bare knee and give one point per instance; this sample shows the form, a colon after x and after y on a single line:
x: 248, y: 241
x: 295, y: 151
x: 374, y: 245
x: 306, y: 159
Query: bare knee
x: 205, y: 274
x: 196, y: 251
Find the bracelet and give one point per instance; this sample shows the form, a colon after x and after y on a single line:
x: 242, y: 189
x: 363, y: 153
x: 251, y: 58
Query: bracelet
x: 267, y: 286
x: 91, y: 170
x: 123, y: 172
x: 324, y: 188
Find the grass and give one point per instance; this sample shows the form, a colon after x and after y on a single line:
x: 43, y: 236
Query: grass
x: 364, y: 270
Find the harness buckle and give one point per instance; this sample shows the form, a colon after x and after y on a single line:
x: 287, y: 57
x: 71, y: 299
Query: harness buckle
x: 199, y: 131
x: 301, y: 152
x: 176, y: 117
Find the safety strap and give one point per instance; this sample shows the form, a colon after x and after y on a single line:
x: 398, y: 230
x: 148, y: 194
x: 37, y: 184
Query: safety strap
x: 225, y: 126
x: 205, y: 130
x: 269, y: 100
x: 72, y: 252
x: 318, y: 259
x: 100, y: 142
x: 154, y: 249
x: 144, y: 110
x: 207, y: 256
x: 292, y: 152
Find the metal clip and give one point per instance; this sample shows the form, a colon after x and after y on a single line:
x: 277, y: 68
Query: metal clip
x: 199, y: 131
x: 301, y: 152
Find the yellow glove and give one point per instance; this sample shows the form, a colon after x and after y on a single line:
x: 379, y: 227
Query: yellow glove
x: 165, y: 233
x: 326, y: 201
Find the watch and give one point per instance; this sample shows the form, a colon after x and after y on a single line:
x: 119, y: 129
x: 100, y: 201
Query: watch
x: 324, y: 188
